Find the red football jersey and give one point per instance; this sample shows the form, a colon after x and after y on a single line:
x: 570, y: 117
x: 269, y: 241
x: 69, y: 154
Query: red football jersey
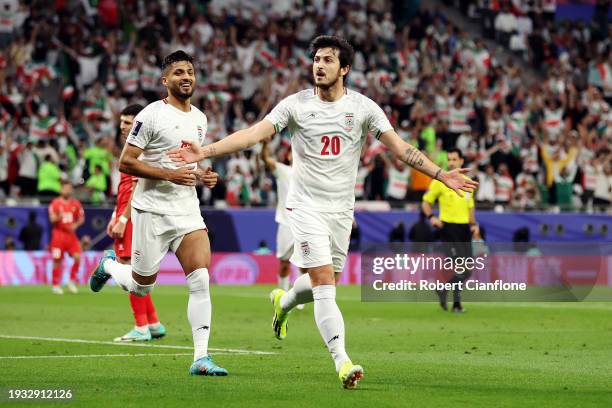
x: 126, y: 185
x: 69, y: 210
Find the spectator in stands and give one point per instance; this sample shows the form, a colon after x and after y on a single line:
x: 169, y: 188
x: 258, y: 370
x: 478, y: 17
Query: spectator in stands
x: 28, y: 171
x: 505, y: 25
x: 603, y: 185
x: 97, y: 185
x: 5, y: 148
x: 486, y: 187
x: 31, y: 233
x: 504, y: 185
x: 49, y: 178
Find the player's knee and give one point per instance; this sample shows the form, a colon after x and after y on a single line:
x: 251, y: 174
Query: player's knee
x: 198, y: 280
x: 141, y: 290
x: 322, y: 275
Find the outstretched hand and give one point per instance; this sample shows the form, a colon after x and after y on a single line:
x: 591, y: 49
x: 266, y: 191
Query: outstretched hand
x: 456, y: 181
x: 189, y: 152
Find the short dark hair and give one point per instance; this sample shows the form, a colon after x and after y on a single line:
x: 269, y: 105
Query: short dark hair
x: 176, y: 56
x: 455, y: 150
x: 346, y: 51
x: 132, y: 110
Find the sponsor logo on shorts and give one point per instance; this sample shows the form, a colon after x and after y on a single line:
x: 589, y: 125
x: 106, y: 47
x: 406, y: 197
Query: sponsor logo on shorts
x: 137, y: 256
x: 305, y: 248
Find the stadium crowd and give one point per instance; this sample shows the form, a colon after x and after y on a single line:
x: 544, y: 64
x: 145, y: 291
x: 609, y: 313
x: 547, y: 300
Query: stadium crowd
x: 67, y: 69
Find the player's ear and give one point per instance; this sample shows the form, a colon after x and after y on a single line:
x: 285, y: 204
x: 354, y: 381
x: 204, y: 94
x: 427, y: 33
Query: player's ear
x: 345, y: 70
x: 164, y: 80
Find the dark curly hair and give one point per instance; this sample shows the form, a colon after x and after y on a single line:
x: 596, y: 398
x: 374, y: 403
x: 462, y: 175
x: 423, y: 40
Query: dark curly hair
x: 346, y: 51
x: 176, y: 56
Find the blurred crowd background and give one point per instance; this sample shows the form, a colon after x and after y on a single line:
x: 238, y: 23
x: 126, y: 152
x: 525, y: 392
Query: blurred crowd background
x: 526, y: 96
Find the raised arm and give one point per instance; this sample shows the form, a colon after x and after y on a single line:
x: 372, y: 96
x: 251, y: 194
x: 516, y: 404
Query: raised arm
x: 413, y: 157
x: 192, y: 152
x: 129, y: 164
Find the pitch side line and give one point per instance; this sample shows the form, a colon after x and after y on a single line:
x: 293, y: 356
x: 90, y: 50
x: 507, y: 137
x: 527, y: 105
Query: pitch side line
x: 94, y: 356
x: 112, y: 343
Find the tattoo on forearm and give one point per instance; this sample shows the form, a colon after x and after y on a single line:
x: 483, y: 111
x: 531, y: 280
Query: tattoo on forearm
x: 211, y: 151
x: 437, y: 174
x: 414, y: 158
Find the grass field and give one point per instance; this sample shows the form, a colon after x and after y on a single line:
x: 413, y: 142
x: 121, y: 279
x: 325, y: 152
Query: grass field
x: 504, y: 354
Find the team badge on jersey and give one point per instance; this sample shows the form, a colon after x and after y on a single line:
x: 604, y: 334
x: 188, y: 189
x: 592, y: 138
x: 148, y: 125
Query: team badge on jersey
x: 349, y: 121
x: 305, y: 248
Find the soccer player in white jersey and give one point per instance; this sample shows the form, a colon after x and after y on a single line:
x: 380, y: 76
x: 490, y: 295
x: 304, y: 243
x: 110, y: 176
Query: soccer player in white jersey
x: 328, y: 126
x: 284, y: 239
x: 165, y: 208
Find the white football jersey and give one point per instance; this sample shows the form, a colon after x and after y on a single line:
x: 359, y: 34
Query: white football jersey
x: 326, y: 139
x: 157, y: 129
x: 282, y: 172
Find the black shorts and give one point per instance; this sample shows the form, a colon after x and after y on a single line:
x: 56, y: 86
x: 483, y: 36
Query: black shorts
x: 457, y: 239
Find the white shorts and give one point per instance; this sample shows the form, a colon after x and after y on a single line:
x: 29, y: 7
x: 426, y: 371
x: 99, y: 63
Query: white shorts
x: 153, y: 234
x: 284, y: 242
x: 320, y: 238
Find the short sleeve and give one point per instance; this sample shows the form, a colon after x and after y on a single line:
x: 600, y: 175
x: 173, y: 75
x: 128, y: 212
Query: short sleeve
x: 281, y: 114
x: 142, y: 129
x: 377, y: 120
x: 471, y: 200
x: 433, y: 192
x: 53, y: 206
x: 79, y: 209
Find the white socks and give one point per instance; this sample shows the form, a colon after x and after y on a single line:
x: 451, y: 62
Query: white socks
x: 122, y: 274
x: 199, y: 310
x: 283, y: 283
x: 330, y: 323
x: 300, y: 293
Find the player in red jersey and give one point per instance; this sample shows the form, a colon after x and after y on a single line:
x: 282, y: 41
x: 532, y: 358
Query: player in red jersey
x: 66, y: 214
x: 147, y: 325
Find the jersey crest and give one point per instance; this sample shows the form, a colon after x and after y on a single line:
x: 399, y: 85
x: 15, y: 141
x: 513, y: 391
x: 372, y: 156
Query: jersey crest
x: 349, y: 121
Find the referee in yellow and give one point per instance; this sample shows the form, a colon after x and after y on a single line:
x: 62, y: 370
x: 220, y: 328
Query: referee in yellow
x: 457, y: 223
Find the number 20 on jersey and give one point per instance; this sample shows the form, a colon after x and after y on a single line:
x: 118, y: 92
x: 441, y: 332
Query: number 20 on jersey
x: 331, y: 145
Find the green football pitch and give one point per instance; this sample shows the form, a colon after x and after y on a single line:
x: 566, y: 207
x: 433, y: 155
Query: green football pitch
x: 413, y: 354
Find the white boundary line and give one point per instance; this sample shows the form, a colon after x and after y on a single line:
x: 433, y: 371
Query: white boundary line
x: 93, y: 356
x: 134, y: 344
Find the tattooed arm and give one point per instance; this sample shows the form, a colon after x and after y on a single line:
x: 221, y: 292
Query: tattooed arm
x: 412, y: 156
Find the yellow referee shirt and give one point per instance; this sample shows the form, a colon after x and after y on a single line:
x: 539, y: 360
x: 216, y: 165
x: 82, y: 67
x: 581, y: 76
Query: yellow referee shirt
x: 453, y: 209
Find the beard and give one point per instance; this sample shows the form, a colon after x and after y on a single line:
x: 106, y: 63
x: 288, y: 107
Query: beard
x: 328, y: 85
x: 179, y: 94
